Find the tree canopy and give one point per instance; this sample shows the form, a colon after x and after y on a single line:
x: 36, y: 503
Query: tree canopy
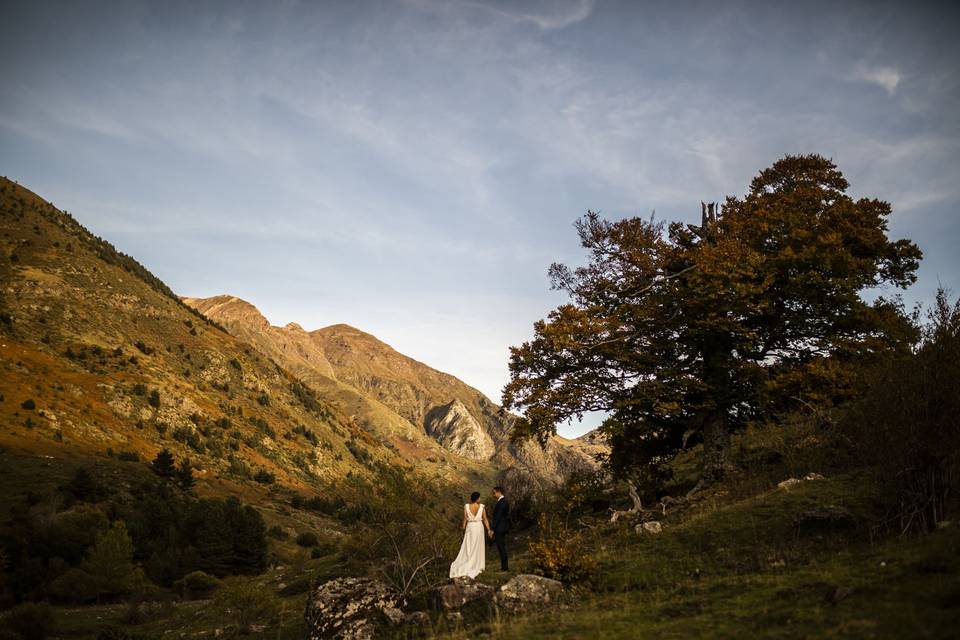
x: 685, y: 331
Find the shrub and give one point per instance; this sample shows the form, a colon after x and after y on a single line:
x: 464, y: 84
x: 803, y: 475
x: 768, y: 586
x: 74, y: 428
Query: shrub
x: 296, y: 587
x: 28, y: 404
x: 264, y: 477
x: 906, y: 428
x: 307, y: 398
x: 263, y: 427
x: 154, y: 399
x: 144, y: 349
x: 359, y: 453
x: 196, y: 585
x: 559, y: 553
x: 308, y: 539
x: 307, y: 433
x: 75, y: 586
x: 263, y: 399
x: 128, y: 456
x: 329, y: 507
x: 189, y: 437
x: 238, y: 467
x: 31, y: 621
x: 244, y: 602
x: 84, y: 487
x: 114, y: 633
x: 278, y: 532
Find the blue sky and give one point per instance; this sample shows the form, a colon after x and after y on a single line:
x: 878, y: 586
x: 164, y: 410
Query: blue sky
x: 412, y: 168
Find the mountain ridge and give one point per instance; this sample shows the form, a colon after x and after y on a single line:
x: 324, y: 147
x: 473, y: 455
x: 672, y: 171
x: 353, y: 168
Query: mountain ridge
x: 458, y: 416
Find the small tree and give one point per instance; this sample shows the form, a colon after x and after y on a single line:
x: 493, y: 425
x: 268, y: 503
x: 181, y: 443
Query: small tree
x: 163, y: 464
x: 154, y: 399
x: 184, y: 475
x: 110, y: 562
x: 84, y: 487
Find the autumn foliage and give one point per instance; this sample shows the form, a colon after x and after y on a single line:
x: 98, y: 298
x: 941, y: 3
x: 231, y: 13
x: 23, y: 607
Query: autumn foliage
x: 685, y: 332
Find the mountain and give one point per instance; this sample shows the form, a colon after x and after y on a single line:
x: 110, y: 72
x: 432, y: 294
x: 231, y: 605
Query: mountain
x: 99, y: 357
x: 370, y: 377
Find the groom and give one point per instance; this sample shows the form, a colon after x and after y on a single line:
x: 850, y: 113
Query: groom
x: 500, y: 525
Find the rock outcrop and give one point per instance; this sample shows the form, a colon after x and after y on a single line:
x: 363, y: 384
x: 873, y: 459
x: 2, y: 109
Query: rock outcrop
x: 352, y: 609
x: 525, y: 592
x: 455, y: 429
x: 465, y: 600
x: 647, y: 528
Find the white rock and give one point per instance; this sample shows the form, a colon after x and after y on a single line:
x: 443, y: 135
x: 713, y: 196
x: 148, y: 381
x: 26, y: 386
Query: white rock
x: 653, y: 527
x: 789, y: 482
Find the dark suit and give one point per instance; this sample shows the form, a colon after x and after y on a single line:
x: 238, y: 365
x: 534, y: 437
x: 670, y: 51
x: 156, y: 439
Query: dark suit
x: 500, y: 526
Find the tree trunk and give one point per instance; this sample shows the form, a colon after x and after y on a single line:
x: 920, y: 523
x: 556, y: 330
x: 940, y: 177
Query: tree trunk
x: 637, y: 504
x: 716, y: 436
x: 716, y: 440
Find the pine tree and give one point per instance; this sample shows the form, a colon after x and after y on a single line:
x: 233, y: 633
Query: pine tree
x: 110, y: 562
x: 163, y: 464
x: 185, y: 475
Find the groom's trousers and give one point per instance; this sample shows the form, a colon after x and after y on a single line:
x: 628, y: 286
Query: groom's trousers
x: 501, y: 542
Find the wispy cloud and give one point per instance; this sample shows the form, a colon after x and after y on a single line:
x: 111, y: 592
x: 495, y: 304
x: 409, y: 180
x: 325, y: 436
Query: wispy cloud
x: 413, y: 167
x: 887, y: 78
x: 545, y: 14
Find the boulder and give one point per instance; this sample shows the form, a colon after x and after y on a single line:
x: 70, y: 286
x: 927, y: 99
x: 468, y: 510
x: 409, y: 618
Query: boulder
x: 788, y: 483
x: 525, y: 592
x: 652, y: 527
x: 351, y: 609
x: 460, y: 592
x: 792, y: 482
x: 394, y: 616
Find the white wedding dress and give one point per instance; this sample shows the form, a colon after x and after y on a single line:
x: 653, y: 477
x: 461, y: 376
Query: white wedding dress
x: 472, y: 559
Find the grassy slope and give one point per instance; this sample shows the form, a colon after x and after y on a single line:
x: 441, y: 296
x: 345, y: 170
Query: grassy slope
x: 742, y: 569
x: 728, y: 570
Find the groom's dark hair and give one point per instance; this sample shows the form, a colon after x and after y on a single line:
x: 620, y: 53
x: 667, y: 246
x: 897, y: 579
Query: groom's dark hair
x: 474, y: 496
x: 499, y: 489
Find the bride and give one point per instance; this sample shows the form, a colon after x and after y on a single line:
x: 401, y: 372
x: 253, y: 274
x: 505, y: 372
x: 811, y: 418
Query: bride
x: 472, y: 558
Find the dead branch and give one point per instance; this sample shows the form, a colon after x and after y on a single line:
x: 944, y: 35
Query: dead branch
x: 637, y: 507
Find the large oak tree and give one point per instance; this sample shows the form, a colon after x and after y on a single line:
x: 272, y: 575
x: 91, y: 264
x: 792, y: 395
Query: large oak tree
x: 691, y: 331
